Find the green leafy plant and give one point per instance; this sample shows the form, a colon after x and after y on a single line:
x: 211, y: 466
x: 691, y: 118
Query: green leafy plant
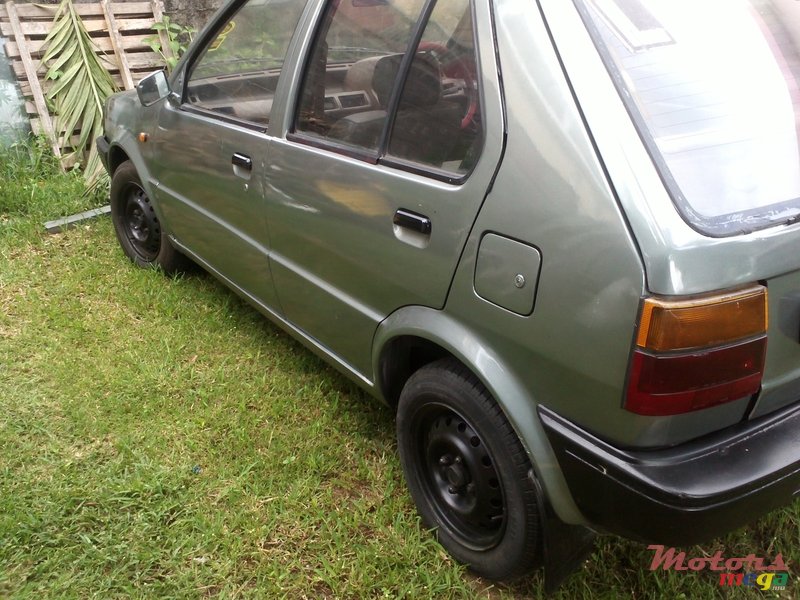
x: 80, y: 87
x: 179, y: 37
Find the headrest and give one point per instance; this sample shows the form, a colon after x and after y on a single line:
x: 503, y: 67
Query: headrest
x: 359, y: 75
x: 423, y: 86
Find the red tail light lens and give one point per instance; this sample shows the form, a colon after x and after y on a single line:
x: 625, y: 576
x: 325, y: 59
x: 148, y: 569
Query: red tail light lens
x: 669, y: 385
x: 698, y: 353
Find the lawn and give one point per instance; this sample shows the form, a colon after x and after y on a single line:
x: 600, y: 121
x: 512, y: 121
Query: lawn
x: 159, y: 438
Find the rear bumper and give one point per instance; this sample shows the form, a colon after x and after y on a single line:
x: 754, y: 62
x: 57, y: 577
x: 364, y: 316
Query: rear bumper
x: 684, y: 495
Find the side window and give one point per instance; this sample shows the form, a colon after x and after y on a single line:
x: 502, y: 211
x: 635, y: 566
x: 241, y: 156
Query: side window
x: 237, y: 73
x: 352, y: 70
x: 438, y: 121
x: 358, y: 62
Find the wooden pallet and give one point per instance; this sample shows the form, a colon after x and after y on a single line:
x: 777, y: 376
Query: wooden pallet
x: 118, y: 29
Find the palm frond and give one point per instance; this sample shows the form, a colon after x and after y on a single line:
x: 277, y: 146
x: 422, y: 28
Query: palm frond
x: 81, y: 86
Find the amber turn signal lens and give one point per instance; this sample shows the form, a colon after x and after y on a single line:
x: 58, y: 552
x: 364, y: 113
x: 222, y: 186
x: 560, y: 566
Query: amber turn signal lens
x: 703, y: 322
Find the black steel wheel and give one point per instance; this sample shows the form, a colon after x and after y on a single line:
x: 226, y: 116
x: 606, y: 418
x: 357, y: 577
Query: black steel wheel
x: 458, y: 477
x: 140, y: 223
x: 137, y: 225
x: 467, y: 471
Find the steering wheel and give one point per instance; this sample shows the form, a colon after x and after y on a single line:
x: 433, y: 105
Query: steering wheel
x: 456, y: 67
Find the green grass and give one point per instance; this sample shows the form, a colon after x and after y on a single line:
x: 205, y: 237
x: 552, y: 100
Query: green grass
x: 159, y: 438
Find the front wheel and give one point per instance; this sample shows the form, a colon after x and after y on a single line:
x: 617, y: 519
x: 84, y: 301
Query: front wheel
x: 137, y: 226
x: 468, y: 472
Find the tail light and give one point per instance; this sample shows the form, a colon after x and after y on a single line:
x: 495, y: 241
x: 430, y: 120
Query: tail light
x: 697, y: 353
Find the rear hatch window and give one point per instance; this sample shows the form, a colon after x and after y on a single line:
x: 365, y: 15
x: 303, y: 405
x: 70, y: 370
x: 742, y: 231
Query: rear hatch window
x: 714, y: 89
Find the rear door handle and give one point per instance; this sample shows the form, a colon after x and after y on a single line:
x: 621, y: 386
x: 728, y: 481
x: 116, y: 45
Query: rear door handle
x: 413, y: 221
x: 242, y: 161
x: 242, y: 166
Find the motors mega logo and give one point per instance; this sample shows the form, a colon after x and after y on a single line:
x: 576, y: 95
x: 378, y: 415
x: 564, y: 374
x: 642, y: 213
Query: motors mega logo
x: 772, y: 576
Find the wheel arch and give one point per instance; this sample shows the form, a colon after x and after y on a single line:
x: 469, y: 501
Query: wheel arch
x: 126, y: 148
x: 123, y: 147
x: 400, y: 358
x: 116, y: 156
x: 414, y: 336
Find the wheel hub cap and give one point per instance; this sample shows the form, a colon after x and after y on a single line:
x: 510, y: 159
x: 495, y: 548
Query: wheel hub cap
x: 457, y: 475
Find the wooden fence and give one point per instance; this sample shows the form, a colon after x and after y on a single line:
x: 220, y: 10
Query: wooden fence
x: 118, y: 30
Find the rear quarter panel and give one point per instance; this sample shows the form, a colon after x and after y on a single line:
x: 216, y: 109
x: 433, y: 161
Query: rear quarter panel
x: 552, y: 192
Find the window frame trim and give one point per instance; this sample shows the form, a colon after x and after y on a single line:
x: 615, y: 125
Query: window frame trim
x: 193, y: 109
x: 416, y: 168
x: 354, y: 152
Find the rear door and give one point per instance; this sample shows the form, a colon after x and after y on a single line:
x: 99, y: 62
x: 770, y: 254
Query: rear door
x: 395, y: 135
x: 211, y: 147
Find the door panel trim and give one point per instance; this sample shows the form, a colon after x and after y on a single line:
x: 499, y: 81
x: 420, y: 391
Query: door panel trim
x: 238, y: 233
x: 313, y: 344
x: 318, y: 283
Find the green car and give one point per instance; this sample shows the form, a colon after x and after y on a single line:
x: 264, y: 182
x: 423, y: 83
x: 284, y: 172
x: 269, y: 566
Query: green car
x: 561, y: 238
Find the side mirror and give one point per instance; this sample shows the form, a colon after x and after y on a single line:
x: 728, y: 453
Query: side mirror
x: 153, y: 88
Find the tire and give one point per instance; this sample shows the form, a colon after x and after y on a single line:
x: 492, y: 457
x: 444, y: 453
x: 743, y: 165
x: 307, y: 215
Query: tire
x: 468, y: 472
x: 137, y: 226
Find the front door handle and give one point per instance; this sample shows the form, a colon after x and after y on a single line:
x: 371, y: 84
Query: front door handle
x: 413, y: 221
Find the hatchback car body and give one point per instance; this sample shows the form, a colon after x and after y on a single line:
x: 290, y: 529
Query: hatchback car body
x: 562, y: 238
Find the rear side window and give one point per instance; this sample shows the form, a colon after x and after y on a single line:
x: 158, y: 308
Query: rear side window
x: 438, y: 121
x: 714, y: 87
x: 237, y: 73
x: 352, y: 70
x: 396, y: 81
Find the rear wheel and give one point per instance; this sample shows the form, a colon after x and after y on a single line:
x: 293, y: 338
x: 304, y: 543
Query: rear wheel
x: 467, y: 471
x: 137, y: 226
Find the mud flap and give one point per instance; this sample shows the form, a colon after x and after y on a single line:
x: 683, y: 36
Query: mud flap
x: 564, y: 547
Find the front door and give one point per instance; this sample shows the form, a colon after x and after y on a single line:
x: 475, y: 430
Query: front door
x: 396, y: 136
x: 211, y: 147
